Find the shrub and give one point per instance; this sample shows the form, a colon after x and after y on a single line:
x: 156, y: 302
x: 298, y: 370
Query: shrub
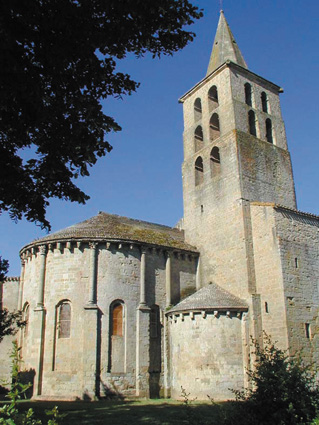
x: 283, y: 390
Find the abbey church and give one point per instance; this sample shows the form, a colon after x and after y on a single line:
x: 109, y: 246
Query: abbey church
x: 116, y: 306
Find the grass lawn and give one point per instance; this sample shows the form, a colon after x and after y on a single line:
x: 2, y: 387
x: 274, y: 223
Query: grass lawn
x: 150, y: 412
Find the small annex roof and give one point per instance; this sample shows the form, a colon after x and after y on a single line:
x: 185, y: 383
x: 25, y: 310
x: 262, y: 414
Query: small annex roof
x: 211, y: 297
x: 110, y: 227
x: 224, y: 47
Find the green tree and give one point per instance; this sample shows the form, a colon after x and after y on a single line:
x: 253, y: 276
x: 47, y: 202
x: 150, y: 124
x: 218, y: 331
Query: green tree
x: 58, y: 61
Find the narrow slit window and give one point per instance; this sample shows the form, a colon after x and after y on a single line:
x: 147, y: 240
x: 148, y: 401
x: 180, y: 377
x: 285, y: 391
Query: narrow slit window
x: 266, y: 307
x: 264, y: 102
x: 296, y: 263
x: 269, y: 137
x: 248, y: 94
x: 199, y: 171
x: 308, y: 330
x: 214, y: 127
x: 64, y: 320
x: 252, y: 123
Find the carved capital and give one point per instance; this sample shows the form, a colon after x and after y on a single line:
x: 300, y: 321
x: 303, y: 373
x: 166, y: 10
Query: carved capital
x: 42, y: 249
x: 93, y: 245
x: 143, y: 249
x: 168, y: 254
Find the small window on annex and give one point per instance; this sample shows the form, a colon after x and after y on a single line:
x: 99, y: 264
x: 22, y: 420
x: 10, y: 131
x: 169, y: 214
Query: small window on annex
x: 248, y: 94
x: 252, y: 123
x: 198, y: 109
x: 213, y: 98
x: 64, y: 323
x: 198, y: 138
x: 214, y: 127
x: 199, y: 171
x: 269, y: 137
x: 264, y: 102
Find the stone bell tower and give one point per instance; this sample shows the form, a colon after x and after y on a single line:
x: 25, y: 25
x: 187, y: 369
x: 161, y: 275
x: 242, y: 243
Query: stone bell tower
x: 235, y: 154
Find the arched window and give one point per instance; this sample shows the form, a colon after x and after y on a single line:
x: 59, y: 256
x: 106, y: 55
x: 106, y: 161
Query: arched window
x: 214, y: 161
x: 214, y: 127
x: 198, y: 109
x: 264, y: 102
x: 117, y: 319
x: 214, y: 155
x: 269, y: 137
x: 198, y: 138
x: 213, y: 98
x: 248, y: 100
x: 252, y: 123
x: 116, y: 355
x: 64, y: 320
x: 199, y: 171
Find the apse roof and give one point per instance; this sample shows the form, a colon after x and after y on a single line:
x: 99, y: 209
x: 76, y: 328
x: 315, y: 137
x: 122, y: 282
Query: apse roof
x: 210, y: 297
x: 106, y: 226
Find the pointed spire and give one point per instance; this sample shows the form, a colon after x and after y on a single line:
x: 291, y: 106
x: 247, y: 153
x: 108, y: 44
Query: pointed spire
x: 225, y: 47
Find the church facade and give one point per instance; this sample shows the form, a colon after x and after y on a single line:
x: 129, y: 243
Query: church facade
x: 116, y: 306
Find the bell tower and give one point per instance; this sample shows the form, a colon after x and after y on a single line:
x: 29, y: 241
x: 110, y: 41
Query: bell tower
x: 235, y: 154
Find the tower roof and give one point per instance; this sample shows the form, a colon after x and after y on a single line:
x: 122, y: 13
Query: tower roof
x: 225, y: 47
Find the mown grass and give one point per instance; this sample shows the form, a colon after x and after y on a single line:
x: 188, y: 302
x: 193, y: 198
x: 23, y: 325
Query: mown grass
x: 141, y: 412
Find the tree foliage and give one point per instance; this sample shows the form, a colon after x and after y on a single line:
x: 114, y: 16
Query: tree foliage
x: 58, y: 61
x: 283, y: 390
x: 9, y: 322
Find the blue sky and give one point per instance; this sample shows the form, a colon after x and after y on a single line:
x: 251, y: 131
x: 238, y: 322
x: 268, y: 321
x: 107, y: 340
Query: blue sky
x: 141, y: 178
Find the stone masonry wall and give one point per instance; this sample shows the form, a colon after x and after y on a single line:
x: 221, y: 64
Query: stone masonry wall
x: 298, y: 238
x: 266, y: 173
x: 268, y: 273
x: 206, y: 355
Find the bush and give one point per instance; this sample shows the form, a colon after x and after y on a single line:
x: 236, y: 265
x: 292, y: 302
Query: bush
x: 283, y: 390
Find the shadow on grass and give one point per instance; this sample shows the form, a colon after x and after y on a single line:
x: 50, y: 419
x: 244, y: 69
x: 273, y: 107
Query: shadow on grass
x: 150, y: 412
